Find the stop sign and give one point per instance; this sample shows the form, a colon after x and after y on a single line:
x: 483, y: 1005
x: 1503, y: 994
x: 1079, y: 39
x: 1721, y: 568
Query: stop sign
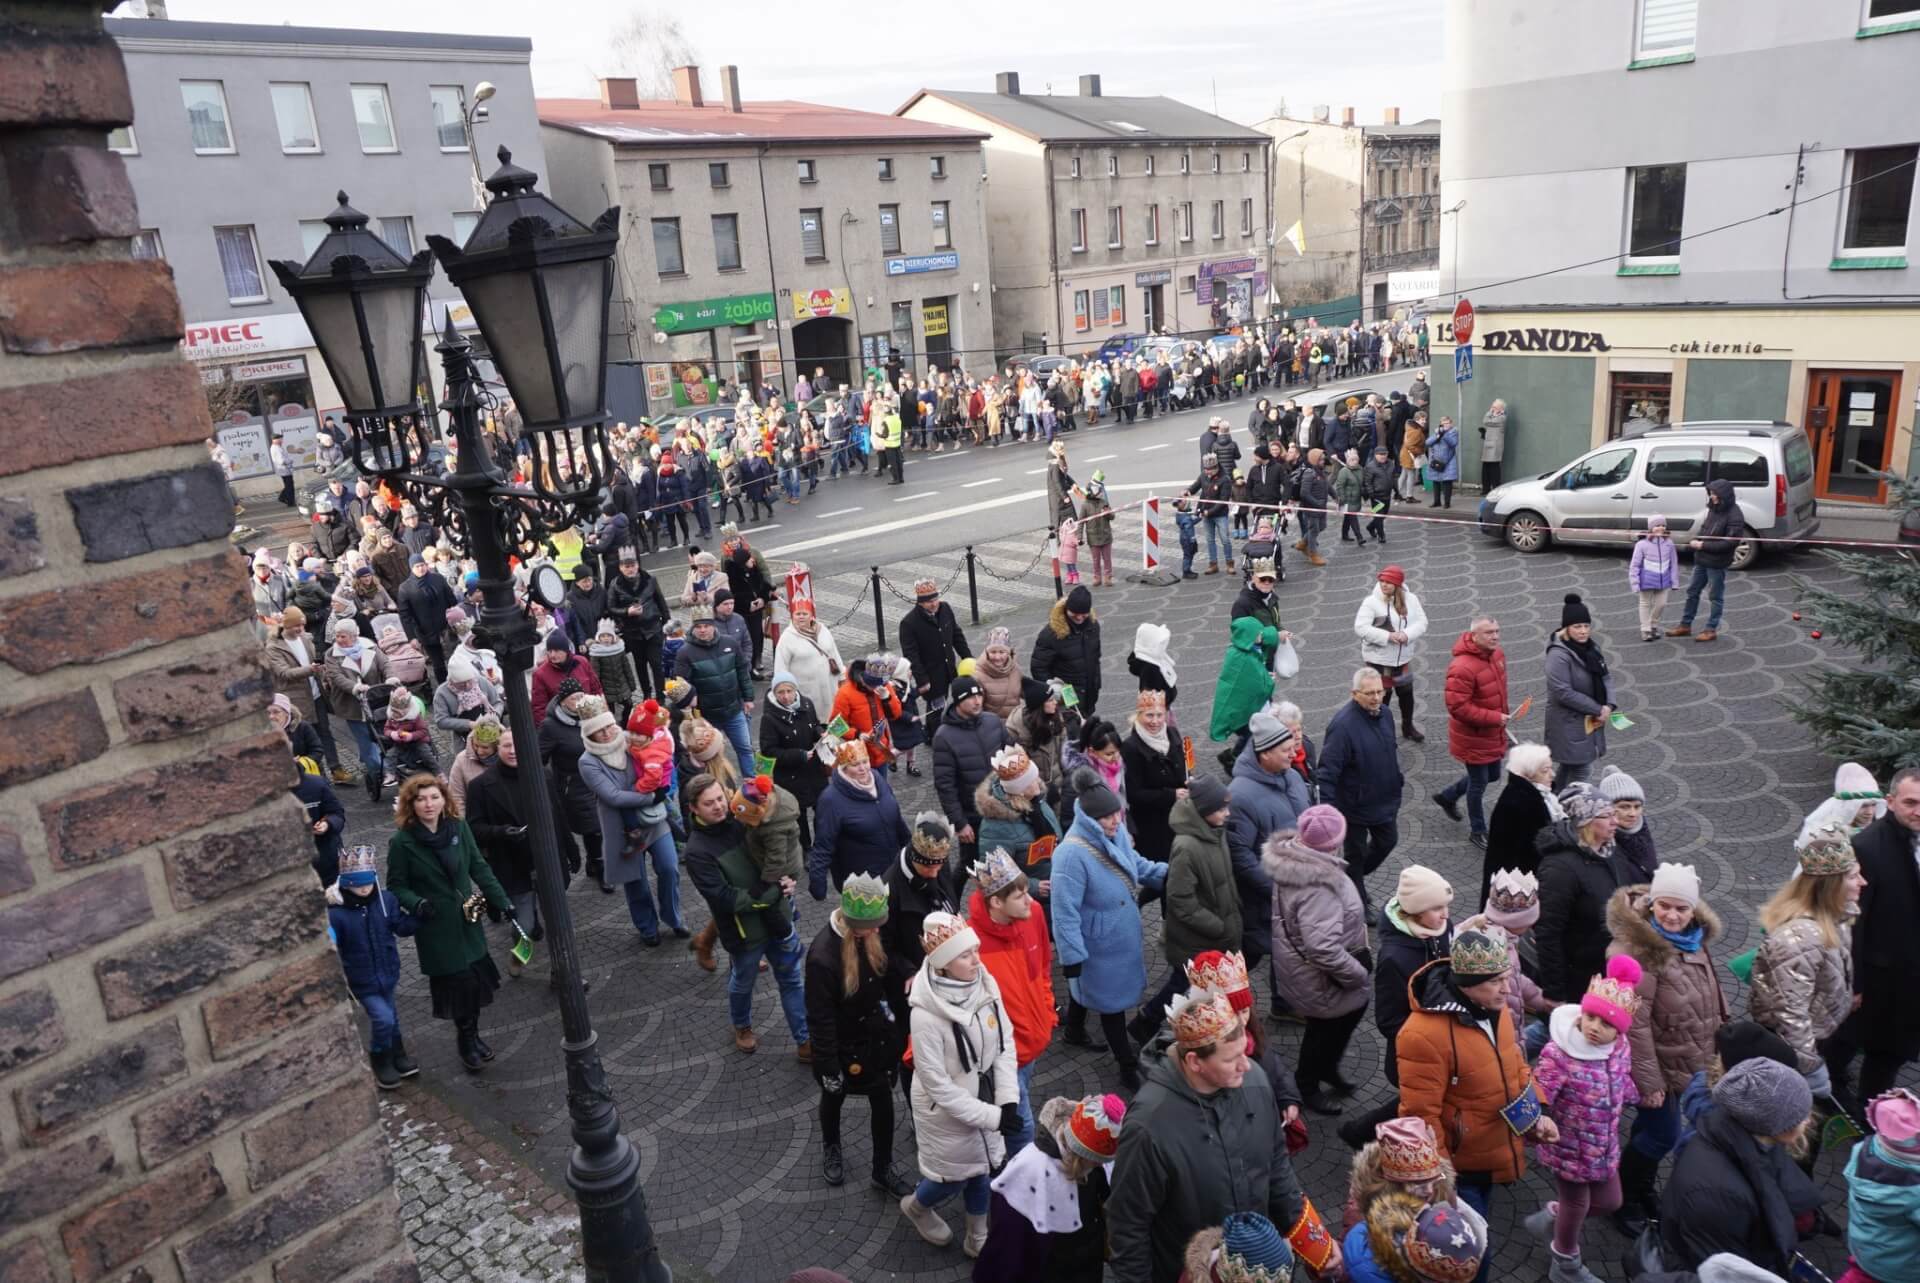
x: 1463, y: 322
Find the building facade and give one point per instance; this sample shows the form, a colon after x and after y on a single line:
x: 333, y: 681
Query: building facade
x: 764, y: 239
x: 1399, y: 216
x: 1732, y: 240
x: 242, y: 135
x: 1113, y: 215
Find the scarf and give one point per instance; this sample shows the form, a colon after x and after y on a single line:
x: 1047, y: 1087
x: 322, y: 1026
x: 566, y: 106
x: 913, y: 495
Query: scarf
x: 1564, y: 1025
x: 1001, y: 671
x: 1555, y: 811
x: 442, y: 842
x: 1687, y: 941
x: 1109, y: 772
x: 1161, y: 743
x: 614, y: 754
x: 1408, y: 925
x: 870, y: 788
x: 1595, y: 663
x: 957, y: 993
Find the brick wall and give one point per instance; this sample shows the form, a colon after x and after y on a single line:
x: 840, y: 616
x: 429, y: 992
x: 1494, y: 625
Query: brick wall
x: 183, y: 1095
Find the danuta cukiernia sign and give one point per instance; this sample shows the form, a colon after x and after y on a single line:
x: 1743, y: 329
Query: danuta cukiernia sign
x: 1539, y: 340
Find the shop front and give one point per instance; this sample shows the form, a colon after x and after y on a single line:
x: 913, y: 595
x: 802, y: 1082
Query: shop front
x: 823, y: 338
x: 1573, y: 379
x: 1229, y: 289
x: 702, y: 343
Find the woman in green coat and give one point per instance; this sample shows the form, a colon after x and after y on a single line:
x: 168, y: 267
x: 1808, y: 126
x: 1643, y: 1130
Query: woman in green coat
x: 436, y: 872
x: 1246, y: 683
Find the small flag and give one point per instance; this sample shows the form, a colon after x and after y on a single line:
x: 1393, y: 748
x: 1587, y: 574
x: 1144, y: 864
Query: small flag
x: 1839, y: 1131
x: 1186, y: 745
x: 1620, y: 722
x: 523, y: 947
x: 838, y: 727
x: 1526, y: 706
x: 1297, y: 237
x: 762, y: 764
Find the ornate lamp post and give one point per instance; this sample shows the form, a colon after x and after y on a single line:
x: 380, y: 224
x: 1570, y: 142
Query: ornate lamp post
x: 538, y: 281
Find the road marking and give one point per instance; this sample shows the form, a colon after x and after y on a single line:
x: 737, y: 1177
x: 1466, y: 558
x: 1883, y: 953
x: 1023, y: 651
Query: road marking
x: 1034, y: 472
x: 986, y: 482
x: 905, y: 523
x: 1161, y: 446
x: 1100, y: 458
x: 837, y: 512
x: 1193, y: 438
x: 909, y: 498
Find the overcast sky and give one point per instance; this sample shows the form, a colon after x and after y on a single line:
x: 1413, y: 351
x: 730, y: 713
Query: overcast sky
x: 1367, y: 54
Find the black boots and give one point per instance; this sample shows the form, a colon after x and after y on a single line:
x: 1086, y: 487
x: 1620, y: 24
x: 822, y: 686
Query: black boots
x: 467, y: 1038
x: 403, y: 1064
x: 384, y: 1075
x: 1638, y: 1206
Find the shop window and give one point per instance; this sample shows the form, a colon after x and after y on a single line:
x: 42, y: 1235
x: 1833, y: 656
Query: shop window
x: 1666, y: 28
x: 1637, y: 402
x: 1878, y: 200
x: 1099, y: 299
x: 240, y: 264
x: 1081, y: 310
x: 449, y: 115
x: 666, y: 247
x: 1675, y: 466
x: 1741, y: 465
x: 293, y: 114
x: 1117, y: 304
x: 889, y: 229
x: 373, y: 117
x: 902, y: 318
x: 726, y: 242
x: 206, y: 103
x: 1656, y: 203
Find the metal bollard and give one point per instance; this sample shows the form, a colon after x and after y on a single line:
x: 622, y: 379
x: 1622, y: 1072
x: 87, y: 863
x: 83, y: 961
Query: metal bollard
x: 879, y: 614
x: 973, y: 588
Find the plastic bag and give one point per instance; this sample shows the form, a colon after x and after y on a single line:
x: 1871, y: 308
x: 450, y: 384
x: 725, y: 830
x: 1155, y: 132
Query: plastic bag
x: 1286, y: 661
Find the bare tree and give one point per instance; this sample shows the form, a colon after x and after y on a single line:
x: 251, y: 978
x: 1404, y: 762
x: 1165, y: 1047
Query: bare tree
x: 647, y: 46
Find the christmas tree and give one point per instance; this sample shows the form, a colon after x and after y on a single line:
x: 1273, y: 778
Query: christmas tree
x: 1868, y: 711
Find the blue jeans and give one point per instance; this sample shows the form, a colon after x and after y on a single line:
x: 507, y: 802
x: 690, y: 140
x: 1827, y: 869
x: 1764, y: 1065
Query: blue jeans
x: 786, y: 957
x: 1473, y: 785
x: 1477, y: 1189
x: 975, y: 1192
x: 666, y: 870
x: 1713, y: 578
x: 735, y: 728
x: 1024, y: 1137
x: 790, y: 482
x: 1656, y: 1131
x: 1218, y: 526
x: 385, y: 1021
x: 369, y: 750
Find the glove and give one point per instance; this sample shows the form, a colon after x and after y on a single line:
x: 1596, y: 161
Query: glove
x: 333, y: 894
x: 1010, y: 1120
x: 1820, y: 1081
x: 833, y: 1084
x: 817, y: 886
x: 494, y: 914
x: 1072, y: 969
x: 424, y: 910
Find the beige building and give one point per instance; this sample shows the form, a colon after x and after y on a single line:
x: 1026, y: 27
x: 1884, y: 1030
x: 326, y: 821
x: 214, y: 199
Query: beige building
x: 1114, y: 215
x: 763, y: 238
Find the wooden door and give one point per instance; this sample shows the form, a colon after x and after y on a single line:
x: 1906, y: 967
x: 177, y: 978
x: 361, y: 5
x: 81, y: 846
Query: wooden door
x: 1850, y: 420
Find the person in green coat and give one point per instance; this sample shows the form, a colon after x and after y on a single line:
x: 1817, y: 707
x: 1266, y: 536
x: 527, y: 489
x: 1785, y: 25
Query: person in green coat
x: 435, y: 870
x: 1246, y: 683
x: 1202, y: 909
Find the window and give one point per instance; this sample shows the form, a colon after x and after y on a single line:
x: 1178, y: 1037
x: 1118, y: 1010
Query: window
x: 312, y: 232
x: 1183, y: 220
x: 1609, y: 467
x: 1113, y: 165
x: 240, y: 263
x: 1116, y: 225
x: 1637, y: 400
x: 889, y: 229
x: 1153, y: 224
x: 1077, y: 227
x: 937, y: 166
x: 146, y: 243
x: 1215, y: 162
x: 942, y: 230
x: 807, y: 172
x: 1117, y: 305
x: 885, y: 164
x: 1879, y: 198
x: 449, y: 115
x: 1893, y: 10
x: 1082, y: 321
x: 1656, y: 198
x: 397, y: 231
x: 1149, y: 164
x: 1666, y: 28
x: 464, y: 221
x: 1246, y: 216
x: 1674, y: 466
x: 122, y: 140
x: 1186, y: 162
x: 1099, y: 315
x: 660, y: 176
x: 293, y: 112
x: 1186, y: 284
x: 206, y: 105
x: 1073, y: 167
x: 717, y: 174
x: 726, y: 242
x: 813, y: 236
x: 1741, y: 465
x: 374, y: 118
x: 1246, y: 162
x: 1219, y: 224
x: 666, y: 247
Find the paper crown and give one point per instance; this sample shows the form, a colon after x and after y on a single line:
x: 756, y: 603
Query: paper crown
x: 1615, y: 996
x: 755, y: 798
x: 996, y: 872
x: 628, y: 553
x: 1408, y: 1151
x: 1827, y: 852
x: 944, y: 937
x: 932, y: 838
x: 925, y: 588
x: 1093, y: 1129
x: 851, y: 753
x: 1201, y: 1018
x: 863, y: 900
x: 679, y: 692
x: 357, y: 859
x: 729, y: 532
x: 1261, y: 567
x: 1150, y: 701
x: 1512, y: 891
x: 1222, y: 973
x: 1010, y: 763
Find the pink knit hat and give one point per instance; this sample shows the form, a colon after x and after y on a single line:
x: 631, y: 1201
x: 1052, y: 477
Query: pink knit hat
x: 1615, y: 996
x: 1322, y: 828
x: 1896, y: 1121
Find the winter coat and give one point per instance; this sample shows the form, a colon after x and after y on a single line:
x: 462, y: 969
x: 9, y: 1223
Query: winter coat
x: 1476, y: 698
x: 1359, y: 772
x: 547, y: 679
x: 1020, y: 956
x: 1586, y: 1099
x: 1096, y: 521
x: 1002, y: 690
x: 1729, y: 1193
x: 1413, y: 446
x: 613, y: 665
x: 721, y: 673
x: 1346, y: 488
x: 1152, y: 777
x: 910, y: 898
x: 1722, y: 529
x: 1246, y: 681
x: 1376, y: 618
x: 1096, y: 914
x: 1575, y: 886
x: 788, y: 736
x: 933, y: 646
x: 963, y: 749
x: 614, y: 790
x: 643, y: 590
x: 1655, y: 565
x: 1215, y: 490
x: 466, y: 768
x: 362, y: 929
x: 861, y: 1035
x: 562, y: 748
x: 960, y: 1053
x: 1069, y: 652
x: 1026, y: 725
x: 1573, y: 695
x: 814, y: 663
x: 424, y: 601
x: 451, y: 715
x: 293, y: 678
x: 747, y: 910
x: 492, y: 808
x: 853, y: 832
x: 1263, y: 804
x: 341, y: 674
x: 320, y: 802
x: 1186, y: 1161
x: 1202, y: 908
x: 1014, y: 824
x: 1443, y: 455
x: 867, y: 713
x: 1493, y: 436
x: 1635, y: 850
x: 1458, y: 1076
x: 1320, y: 954
x: 446, y: 943
x: 1518, y: 816
x: 1376, y: 481
x: 1681, y: 1004
x: 1016, y: 1250
x: 1883, y: 1209
x: 1802, y: 987
x: 1886, y: 948
x: 1401, y: 954
x: 774, y: 843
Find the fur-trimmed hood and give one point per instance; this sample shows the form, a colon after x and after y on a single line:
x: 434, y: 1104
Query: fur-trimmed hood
x: 1631, y: 927
x: 1057, y: 619
x: 1294, y: 866
x: 1388, y: 1222
x: 1200, y: 1250
x: 994, y: 803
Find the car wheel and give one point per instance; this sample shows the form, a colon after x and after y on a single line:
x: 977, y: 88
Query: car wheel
x: 1528, y: 532
x: 1745, y: 555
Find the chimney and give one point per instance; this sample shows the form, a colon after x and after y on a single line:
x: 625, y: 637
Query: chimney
x: 730, y: 87
x: 1393, y: 116
x: 1322, y: 113
x: 1007, y: 82
x: 686, y: 86
x: 619, y: 93
x: 1089, y: 86
x: 1346, y: 117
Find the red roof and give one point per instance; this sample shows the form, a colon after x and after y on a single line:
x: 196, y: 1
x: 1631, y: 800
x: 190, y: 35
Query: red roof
x: 668, y: 123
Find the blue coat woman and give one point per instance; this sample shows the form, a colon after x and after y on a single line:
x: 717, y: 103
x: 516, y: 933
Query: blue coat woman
x: 608, y: 772
x: 1096, y: 913
x: 857, y: 827
x: 1443, y: 455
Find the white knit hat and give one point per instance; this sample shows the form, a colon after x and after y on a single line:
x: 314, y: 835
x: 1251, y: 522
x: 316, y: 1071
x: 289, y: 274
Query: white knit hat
x: 1676, y: 882
x: 1421, y: 889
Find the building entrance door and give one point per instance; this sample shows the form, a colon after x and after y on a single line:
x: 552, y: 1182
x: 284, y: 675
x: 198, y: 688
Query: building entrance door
x: 1850, y: 418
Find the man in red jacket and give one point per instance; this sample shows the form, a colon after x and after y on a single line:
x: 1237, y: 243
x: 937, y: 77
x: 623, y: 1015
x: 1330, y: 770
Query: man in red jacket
x: 1017, y: 951
x: 1477, y: 719
x: 560, y: 662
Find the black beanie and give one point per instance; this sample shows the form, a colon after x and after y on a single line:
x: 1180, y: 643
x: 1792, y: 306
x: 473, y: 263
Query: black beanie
x: 1574, y: 612
x: 1034, y: 692
x: 1080, y: 601
x: 1740, y: 1040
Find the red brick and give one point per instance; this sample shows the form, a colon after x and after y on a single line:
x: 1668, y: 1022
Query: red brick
x: 111, y: 1077
x: 73, y: 917
x: 88, y: 304
x: 289, y: 1141
x: 215, y: 1102
x: 60, y: 1178
x: 25, y: 1262
x: 30, y: 1028
x: 276, y: 922
x: 67, y: 191
x: 43, y: 425
x: 21, y: 550
x: 73, y: 78
x: 107, y: 820
x: 331, y: 1255
x: 16, y: 874
x: 86, y: 623
x: 204, y: 868
x: 250, y: 1015
x: 194, y: 694
x: 134, y: 1222
x: 351, y: 1177
x: 50, y: 734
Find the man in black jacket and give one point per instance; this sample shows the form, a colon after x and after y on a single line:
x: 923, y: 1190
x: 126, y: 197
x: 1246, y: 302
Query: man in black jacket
x: 1266, y: 484
x: 933, y: 646
x: 1714, y: 545
x: 425, y: 599
x: 963, y: 749
x: 1214, y: 486
x: 493, y: 813
x: 586, y: 602
x: 640, y: 611
x: 1068, y: 648
x: 752, y: 589
x: 1886, y: 948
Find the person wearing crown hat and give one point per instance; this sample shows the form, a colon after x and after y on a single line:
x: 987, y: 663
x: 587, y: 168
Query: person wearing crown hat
x: 1410, y: 1240
x: 1580, y: 871
x: 752, y: 586
x: 806, y: 650
x: 362, y: 920
x: 1883, y: 1191
x: 1015, y: 814
x: 1048, y: 1218
x: 1204, y: 1139
x: 721, y: 672
x: 638, y: 607
x: 1402, y: 1158
x: 1017, y: 949
x: 1886, y: 948
x: 636, y: 834
x: 854, y: 1014
x: 1226, y: 973
x: 858, y: 827
x: 1803, y: 974
x: 1155, y: 770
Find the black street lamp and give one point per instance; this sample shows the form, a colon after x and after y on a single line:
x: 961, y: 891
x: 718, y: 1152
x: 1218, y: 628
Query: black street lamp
x: 538, y: 281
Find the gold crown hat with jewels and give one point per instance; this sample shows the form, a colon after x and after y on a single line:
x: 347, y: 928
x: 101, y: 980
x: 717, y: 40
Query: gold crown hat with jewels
x: 1201, y: 1018
x: 1221, y: 973
x: 1827, y: 852
x: 1261, y: 567
x: 995, y: 873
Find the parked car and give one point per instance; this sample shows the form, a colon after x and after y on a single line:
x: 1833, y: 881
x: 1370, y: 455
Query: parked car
x: 1176, y: 349
x: 1603, y: 498
x: 1119, y: 345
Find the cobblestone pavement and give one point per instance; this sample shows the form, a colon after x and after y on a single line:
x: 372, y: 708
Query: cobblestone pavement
x: 729, y: 1143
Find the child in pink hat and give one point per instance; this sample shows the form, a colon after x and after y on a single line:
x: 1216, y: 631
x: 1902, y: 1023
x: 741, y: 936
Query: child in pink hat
x: 1883, y: 1193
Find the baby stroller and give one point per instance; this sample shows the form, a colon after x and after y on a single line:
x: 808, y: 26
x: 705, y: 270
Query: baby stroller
x: 1264, y: 542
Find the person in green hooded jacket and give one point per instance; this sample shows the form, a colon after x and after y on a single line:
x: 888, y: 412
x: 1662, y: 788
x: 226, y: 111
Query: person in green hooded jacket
x: 1246, y: 683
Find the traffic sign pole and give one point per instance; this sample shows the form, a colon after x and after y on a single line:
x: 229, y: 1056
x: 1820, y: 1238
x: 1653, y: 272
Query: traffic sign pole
x: 1462, y: 343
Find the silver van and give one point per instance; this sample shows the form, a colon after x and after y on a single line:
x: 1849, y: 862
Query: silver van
x: 1604, y: 497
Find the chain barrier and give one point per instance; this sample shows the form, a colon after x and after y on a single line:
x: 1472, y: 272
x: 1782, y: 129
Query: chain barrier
x: 849, y: 613
x: 888, y: 585
x: 981, y: 564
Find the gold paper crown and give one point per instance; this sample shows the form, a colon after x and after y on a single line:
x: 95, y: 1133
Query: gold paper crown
x: 1201, y: 1018
x: 996, y: 872
x: 851, y: 753
x: 1617, y: 991
x: 1011, y: 762
x: 1227, y: 975
x: 940, y: 928
x: 1827, y: 852
x: 932, y: 836
x: 1261, y: 566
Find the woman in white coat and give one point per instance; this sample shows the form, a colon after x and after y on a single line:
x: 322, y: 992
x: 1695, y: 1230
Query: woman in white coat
x: 807, y: 652
x: 963, y: 1058
x: 1389, y: 624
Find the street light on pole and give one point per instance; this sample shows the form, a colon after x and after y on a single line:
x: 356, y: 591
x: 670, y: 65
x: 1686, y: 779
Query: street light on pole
x: 469, y: 115
x: 538, y: 281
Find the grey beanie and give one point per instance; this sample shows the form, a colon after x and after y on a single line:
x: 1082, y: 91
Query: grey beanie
x: 1618, y: 786
x: 1764, y: 1096
x: 1207, y: 793
x: 1267, y: 731
x: 1097, y: 801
